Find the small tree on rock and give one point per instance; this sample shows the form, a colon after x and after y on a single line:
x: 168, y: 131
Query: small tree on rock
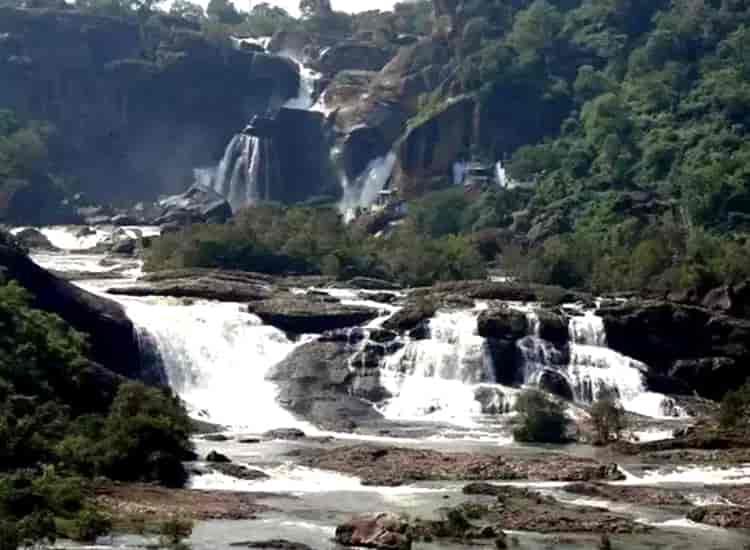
x: 542, y: 419
x: 608, y: 420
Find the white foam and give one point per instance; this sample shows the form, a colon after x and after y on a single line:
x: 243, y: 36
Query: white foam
x: 703, y: 475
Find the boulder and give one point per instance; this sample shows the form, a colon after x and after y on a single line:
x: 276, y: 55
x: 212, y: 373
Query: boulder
x: 411, y: 316
x: 113, y: 338
x: 732, y: 300
x: 555, y: 383
x: 238, y: 471
x: 503, y: 323
x: 198, y: 204
x: 309, y: 314
x: 492, y: 400
x: 385, y: 531
x: 316, y: 383
x: 205, y: 284
x: 33, y: 239
x: 553, y: 327
x: 217, y: 457
x: 285, y: 434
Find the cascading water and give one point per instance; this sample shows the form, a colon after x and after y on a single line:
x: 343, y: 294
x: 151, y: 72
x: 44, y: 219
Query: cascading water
x: 216, y: 356
x: 438, y: 378
x: 590, y: 368
x: 363, y: 192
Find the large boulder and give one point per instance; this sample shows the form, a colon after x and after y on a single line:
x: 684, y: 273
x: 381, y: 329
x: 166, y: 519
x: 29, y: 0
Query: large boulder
x: 309, y: 314
x: 198, y: 204
x: 33, y: 239
x: 316, y: 382
x: 384, y: 531
x: 503, y: 323
x: 113, y: 338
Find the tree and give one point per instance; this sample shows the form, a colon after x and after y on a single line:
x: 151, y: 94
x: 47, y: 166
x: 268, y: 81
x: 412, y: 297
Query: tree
x: 536, y: 30
x: 541, y: 419
x: 311, y: 8
x: 608, y: 420
x: 224, y: 11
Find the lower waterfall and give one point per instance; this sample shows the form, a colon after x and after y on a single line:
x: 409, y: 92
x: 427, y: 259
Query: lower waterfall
x: 215, y: 357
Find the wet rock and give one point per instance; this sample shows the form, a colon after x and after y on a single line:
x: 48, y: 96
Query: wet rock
x: 553, y: 327
x: 393, y: 465
x: 123, y: 219
x: 196, y: 205
x: 33, y: 239
x: 646, y: 496
x: 382, y: 336
x: 307, y: 314
x: 274, y: 544
x: 229, y: 286
x: 727, y: 517
x: 238, y: 471
x: 215, y: 438
x: 384, y: 531
x: 492, y: 400
x: 316, y: 383
x: 285, y: 434
x: 214, y: 456
x: 555, y: 383
x: 124, y: 247
x: 382, y: 297
x: 411, y: 316
x: 503, y: 323
x: 357, y: 56
x: 249, y: 440
x: 371, y: 283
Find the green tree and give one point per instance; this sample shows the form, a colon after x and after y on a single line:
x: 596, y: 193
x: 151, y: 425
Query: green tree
x: 541, y: 419
x: 224, y: 11
x: 187, y: 10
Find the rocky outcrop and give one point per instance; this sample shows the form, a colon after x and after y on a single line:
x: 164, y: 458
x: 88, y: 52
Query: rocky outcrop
x: 389, y: 466
x: 113, y: 339
x: 33, y: 239
x: 430, y: 147
x: 706, y: 350
x: 726, y: 517
x: 205, y: 284
x: 353, y: 56
x: 198, y: 204
x: 309, y: 314
x: 503, y: 323
x: 315, y: 383
x: 136, y: 119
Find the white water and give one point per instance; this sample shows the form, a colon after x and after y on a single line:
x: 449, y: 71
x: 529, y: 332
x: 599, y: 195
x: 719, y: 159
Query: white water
x: 216, y: 357
x: 593, y: 369
x: 364, y: 191
x: 437, y: 379
x: 238, y: 176
x: 82, y: 238
x: 308, y: 79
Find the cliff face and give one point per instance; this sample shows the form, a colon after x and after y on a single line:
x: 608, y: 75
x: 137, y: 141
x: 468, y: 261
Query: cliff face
x: 136, y: 105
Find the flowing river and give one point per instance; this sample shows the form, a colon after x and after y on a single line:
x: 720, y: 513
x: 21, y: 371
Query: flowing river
x: 216, y: 356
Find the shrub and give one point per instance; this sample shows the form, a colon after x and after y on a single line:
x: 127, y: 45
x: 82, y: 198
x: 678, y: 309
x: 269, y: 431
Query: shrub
x: 173, y: 532
x: 735, y: 408
x: 608, y: 420
x: 89, y: 525
x: 541, y: 419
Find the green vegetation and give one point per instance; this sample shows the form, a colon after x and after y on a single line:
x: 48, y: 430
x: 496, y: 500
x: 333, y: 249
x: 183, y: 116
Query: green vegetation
x: 608, y: 420
x: 541, y: 419
x: 735, y: 408
x: 65, y: 421
x: 632, y: 119
x: 275, y: 239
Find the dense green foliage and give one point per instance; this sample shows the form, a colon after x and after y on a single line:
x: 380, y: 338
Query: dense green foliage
x: 598, y: 100
x: 275, y: 239
x: 735, y: 408
x: 63, y: 421
x: 541, y: 419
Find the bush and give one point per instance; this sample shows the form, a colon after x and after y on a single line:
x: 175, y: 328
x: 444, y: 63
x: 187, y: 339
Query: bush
x: 90, y: 525
x: 735, y: 408
x: 541, y: 419
x: 608, y: 420
x: 173, y: 532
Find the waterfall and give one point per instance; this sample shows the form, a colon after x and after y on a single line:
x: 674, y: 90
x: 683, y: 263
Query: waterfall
x: 365, y: 189
x: 439, y: 378
x: 242, y: 175
x: 308, y: 79
x: 502, y: 175
x: 215, y: 357
x: 590, y: 368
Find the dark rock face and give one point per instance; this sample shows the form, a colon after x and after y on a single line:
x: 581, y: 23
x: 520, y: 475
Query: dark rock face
x: 556, y: 384
x: 308, y: 314
x: 196, y: 205
x: 430, y: 148
x: 553, y: 327
x: 36, y: 202
x: 227, y: 286
x: 213, y: 456
x: 315, y: 383
x: 412, y: 316
x: 33, y: 239
x: 503, y: 324
x: 114, y: 342
x: 705, y: 350
x: 123, y: 86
